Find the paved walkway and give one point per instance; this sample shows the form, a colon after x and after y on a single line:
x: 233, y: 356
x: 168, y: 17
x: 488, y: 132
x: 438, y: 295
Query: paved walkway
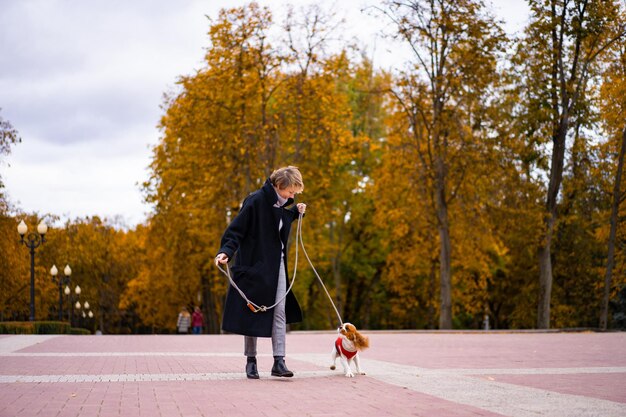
x: 408, y: 374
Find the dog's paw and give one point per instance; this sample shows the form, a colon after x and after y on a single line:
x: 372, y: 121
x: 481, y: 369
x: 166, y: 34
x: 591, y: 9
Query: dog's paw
x: 349, y: 375
x: 362, y: 373
x: 332, y: 367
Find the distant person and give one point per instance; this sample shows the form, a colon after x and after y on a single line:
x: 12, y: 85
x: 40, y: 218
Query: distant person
x: 184, y: 321
x: 197, y: 320
x: 258, y: 235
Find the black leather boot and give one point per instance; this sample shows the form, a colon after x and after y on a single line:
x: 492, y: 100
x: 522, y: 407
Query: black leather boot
x: 251, y: 369
x: 280, y: 369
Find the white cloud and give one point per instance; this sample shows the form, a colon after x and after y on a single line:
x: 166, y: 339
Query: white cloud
x: 83, y: 81
x: 75, y: 180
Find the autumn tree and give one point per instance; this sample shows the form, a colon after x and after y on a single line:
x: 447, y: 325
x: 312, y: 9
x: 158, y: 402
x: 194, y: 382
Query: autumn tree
x: 9, y: 136
x: 558, y: 57
x: 260, y: 102
x: 14, y: 260
x: 613, y: 112
x: 441, y: 96
x: 103, y: 257
x: 329, y: 105
x: 14, y: 272
x: 218, y: 141
x: 363, y: 257
x: 618, y: 197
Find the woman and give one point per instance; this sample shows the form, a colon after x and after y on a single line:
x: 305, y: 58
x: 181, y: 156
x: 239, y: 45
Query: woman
x: 197, y: 320
x: 184, y: 320
x: 258, y: 235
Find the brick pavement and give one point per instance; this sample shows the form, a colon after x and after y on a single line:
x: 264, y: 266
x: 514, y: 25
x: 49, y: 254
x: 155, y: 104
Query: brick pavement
x: 408, y: 374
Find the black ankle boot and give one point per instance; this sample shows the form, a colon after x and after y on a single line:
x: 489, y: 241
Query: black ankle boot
x: 280, y: 369
x: 251, y: 369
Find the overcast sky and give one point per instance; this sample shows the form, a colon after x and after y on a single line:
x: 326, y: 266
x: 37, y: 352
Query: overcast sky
x: 82, y: 82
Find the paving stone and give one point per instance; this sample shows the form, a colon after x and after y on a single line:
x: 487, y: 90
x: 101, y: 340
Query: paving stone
x: 439, y: 374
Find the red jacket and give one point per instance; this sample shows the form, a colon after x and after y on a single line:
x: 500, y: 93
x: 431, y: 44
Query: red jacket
x: 196, y: 319
x: 342, y: 350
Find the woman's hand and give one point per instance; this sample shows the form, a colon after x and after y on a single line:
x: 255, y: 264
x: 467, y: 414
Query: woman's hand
x: 301, y: 207
x: 221, y: 258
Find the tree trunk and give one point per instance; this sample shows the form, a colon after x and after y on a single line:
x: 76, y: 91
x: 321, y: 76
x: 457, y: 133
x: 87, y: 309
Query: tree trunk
x: 545, y: 260
x: 432, y: 289
x: 335, y: 267
x: 617, y: 196
x: 445, y: 314
x: 545, y: 280
x: 209, y: 309
x: 445, y: 317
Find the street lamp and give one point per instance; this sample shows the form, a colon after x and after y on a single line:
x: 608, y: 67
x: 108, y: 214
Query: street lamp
x: 87, y: 314
x: 85, y: 307
x: 61, y: 281
x: 77, y: 291
x: 33, y: 241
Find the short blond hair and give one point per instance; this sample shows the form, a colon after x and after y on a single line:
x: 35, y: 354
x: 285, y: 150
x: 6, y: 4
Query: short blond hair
x: 286, y: 177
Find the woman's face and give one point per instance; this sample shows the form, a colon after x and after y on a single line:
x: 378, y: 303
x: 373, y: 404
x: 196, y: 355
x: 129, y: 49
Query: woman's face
x: 289, y: 192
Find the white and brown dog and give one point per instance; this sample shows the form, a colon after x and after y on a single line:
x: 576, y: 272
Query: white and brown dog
x: 347, y: 347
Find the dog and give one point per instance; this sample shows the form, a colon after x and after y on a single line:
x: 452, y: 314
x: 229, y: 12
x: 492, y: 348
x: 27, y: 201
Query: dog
x: 347, y: 347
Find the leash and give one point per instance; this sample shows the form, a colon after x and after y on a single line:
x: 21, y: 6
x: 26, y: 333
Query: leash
x: 318, y: 275
x: 255, y: 308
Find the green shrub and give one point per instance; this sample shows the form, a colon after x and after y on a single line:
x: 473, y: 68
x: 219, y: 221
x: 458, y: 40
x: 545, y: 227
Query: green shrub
x: 78, y: 330
x: 35, y: 327
x: 16, y: 327
x: 51, y: 327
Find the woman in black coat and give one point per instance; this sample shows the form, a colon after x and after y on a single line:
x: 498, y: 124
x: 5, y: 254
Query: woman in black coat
x: 258, y: 236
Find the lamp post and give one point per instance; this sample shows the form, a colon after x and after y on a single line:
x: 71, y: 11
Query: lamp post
x: 77, y: 307
x: 33, y: 241
x: 86, y: 312
x: 67, y: 292
x: 61, y: 281
x: 77, y: 291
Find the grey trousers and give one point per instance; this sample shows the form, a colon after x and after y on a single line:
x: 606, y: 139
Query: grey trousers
x: 279, y: 326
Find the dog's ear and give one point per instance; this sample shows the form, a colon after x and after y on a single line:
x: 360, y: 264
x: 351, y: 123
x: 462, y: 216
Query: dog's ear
x: 362, y: 342
x: 351, y: 332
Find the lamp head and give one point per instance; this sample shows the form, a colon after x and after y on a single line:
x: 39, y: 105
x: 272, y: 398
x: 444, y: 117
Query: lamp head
x: 22, y: 229
x: 42, y: 228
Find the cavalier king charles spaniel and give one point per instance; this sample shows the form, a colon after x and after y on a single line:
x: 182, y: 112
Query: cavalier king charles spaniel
x: 347, y: 347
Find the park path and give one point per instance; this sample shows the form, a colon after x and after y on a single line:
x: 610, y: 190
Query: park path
x: 408, y: 374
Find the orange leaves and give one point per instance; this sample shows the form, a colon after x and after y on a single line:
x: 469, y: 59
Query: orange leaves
x: 395, y: 164
x: 246, y: 113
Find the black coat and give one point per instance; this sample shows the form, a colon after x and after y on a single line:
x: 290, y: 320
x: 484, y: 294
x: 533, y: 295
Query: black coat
x: 253, y: 236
